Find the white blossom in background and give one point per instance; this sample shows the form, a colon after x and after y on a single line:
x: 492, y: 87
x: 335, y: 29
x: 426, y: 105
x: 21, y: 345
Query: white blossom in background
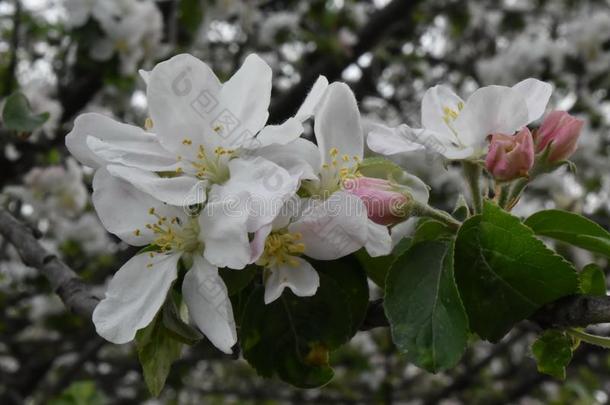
x: 133, y: 29
x: 587, y: 35
x: 39, y: 95
x: 276, y: 23
x: 517, y: 61
x: 87, y: 231
x: 53, y: 191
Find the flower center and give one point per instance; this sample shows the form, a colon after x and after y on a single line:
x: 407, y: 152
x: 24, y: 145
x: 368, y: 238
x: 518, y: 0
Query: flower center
x: 212, y: 167
x: 280, y: 248
x: 332, y: 175
x: 450, y: 115
x: 172, y: 235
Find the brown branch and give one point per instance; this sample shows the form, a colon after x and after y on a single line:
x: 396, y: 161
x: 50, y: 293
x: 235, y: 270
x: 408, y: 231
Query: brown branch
x: 75, y: 294
x: 572, y: 311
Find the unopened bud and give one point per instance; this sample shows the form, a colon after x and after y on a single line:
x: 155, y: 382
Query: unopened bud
x: 510, y: 156
x: 386, y: 203
x: 559, y: 133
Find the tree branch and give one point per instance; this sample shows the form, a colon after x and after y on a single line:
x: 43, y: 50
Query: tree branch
x: 75, y: 294
x: 572, y: 311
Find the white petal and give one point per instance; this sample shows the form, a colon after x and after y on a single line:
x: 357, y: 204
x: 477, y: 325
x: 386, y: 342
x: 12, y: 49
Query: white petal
x: 264, y: 187
x: 436, y: 100
x: 145, y: 75
x: 149, y: 156
x: 257, y: 245
x: 247, y: 94
x: 224, y: 233
x: 124, y: 210
x: 337, y: 123
x: 281, y: 134
x: 489, y: 110
x: 309, y: 106
x: 379, y: 242
x: 134, y: 296
x: 207, y: 299
x: 390, y: 141
x: 536, y: 94
x: 419, y: 190
x: 332, y: 228
x: 302, y: 279
x: 184, y: 101
x: 181, y: 191
x: 108, y: 130
x: 300, y: 158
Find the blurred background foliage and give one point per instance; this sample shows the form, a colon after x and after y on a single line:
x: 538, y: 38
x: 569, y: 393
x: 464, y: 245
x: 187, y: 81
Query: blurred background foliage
x: 71, y: 56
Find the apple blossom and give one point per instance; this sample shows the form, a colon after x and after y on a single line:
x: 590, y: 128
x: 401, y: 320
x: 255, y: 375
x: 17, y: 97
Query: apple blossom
x: 510, y: 157
x: 559, y: 134
x: 139, y: 289
x: 203, y: 148
x: 459, y: 129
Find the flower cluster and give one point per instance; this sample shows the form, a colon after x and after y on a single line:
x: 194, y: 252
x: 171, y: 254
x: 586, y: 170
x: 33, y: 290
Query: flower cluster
x: 209, y: 184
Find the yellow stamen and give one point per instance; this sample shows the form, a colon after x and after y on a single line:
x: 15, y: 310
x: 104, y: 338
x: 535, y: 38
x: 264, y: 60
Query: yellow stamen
x: 281, y: 248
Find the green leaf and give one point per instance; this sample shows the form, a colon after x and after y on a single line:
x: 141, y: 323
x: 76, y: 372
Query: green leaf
x: 423, y: 306
x: 504, y: 273
x: 17, y: 114
x: 351, y: 278
x: 461, y: 210
x: 174, y: 323
x: 80, y: 393
x: 293, y: 336
x: 430, y: 229
x: 237, y: 280
x: 379, y: 167
x: 553, y: 353
x: 377, y: 267
x: 571, y: 228
x: 592, y: 280
x: 157, y: 350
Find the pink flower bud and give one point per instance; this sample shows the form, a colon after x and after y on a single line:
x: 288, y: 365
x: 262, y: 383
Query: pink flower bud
x: 560, y: 132
x: 385, y: 203
x: 510, y: 156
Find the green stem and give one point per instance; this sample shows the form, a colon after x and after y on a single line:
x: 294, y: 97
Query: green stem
x: 424, y: 210
x: 503, y: 199
x: 472, y: 173
x: 516, y: 191
x: 601, y: 341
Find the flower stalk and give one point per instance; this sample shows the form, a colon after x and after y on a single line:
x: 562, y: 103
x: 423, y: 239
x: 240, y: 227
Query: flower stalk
x: 472, y: 173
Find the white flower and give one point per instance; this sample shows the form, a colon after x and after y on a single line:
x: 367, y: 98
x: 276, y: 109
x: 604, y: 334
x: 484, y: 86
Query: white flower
x: 138, y: 290
x: 203, y: 148
x: 320, y: 229
x: 133, y: 29
x: 458, y: 130
x: 330, y: 223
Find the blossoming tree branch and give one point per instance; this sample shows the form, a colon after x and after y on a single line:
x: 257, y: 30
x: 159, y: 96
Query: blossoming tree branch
x: 264, y: 241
